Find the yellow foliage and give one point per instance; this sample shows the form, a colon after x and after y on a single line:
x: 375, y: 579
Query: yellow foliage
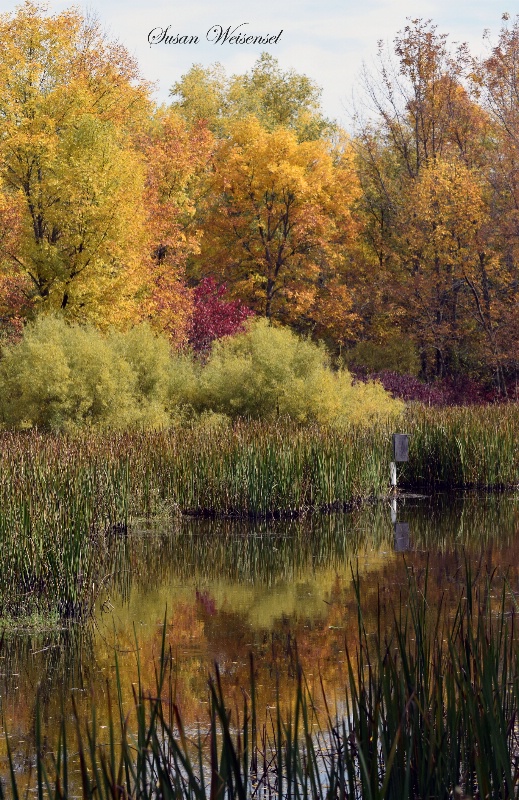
x: 278, y: 217
x: 268, y: 372
x: 62, y: 376
x: 69, y: 103
x: 442, y: 231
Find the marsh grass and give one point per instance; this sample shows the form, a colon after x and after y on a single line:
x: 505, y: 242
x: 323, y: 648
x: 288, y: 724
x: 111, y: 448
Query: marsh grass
x: 65, y: 500
x: 475, y: 447
x: 429, y: 711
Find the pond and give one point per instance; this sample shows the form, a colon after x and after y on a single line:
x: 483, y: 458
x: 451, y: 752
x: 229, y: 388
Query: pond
x: 282, y: 590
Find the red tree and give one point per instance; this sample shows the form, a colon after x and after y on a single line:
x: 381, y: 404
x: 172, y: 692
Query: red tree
x: 213, y: 316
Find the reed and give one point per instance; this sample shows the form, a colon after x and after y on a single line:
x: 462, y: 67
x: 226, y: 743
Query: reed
x: 430, y: 711
x: 463, y: 447
x: 65, y: 499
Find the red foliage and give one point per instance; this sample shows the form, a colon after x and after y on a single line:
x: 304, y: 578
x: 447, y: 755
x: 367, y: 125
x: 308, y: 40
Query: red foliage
x: 407, y: 387
x: 448, y: 392
x: 214, y: 317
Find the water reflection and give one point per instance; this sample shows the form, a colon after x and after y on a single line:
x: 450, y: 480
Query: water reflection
x: 225, y: 587
x: 265, y: 554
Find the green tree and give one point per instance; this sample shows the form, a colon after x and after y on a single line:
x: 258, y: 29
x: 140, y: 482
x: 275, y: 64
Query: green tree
x: 276, y: 97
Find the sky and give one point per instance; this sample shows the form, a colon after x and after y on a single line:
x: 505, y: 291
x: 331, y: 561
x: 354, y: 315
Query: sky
x: 329, y: 42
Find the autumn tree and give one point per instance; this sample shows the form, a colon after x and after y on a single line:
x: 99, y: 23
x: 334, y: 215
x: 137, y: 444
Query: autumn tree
x: 278, y: 219
x: 70, y: 101
x: 431, y: 135
x: 214, y: 315
x: 15, y: 288
x: 201, y: 94
x: 276, y: 97
x: 422, y: 111
x: 442, y: 278
x: 421, y: 99
x: 177, y: 159
x: 497, y: 78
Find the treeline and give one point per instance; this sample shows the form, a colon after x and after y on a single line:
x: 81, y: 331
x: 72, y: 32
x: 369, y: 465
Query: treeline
x: 397, y: 245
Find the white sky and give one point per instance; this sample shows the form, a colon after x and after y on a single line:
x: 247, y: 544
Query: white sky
x: 328, y: 43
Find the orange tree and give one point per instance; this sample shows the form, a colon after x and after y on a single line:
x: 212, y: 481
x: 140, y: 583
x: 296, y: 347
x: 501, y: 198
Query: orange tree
x: 278, y: 221
x: 177, y: 157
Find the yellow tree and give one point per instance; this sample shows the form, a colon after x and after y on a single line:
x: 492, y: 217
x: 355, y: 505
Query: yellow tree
x: 70, y: 102
x: 278, y: 219
x: 445, y: 270
x: 15, y: 289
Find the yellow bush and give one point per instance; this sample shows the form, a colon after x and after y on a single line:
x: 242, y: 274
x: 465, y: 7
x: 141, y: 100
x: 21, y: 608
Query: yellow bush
x: 268, y: 372
x: 62, y: 376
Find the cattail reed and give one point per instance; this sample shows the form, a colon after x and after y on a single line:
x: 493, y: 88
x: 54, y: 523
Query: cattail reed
x: 64, y: 499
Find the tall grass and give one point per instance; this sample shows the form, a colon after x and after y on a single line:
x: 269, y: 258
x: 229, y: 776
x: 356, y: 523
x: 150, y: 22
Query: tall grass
x: 59, y: 510
x: 64, y: 499
x: 475, y: 446
x: 430, y: 711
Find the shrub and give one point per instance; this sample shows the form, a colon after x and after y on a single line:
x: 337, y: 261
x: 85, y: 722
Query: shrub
x: 149, y: 358
x: 268, y: 372
x: 448, y: 392
x: 62, y: 376
x: 59, y: 376
x: 409, y: 388
x: 183, y: 387
x: 397, y: 354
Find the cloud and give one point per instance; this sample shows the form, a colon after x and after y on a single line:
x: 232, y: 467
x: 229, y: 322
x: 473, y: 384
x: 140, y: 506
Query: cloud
x: 327, y: 42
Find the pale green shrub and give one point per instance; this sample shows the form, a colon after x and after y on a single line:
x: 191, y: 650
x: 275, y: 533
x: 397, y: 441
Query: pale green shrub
x: 62, y: 376
x: 269, y: 371
x: 149, y: 357
x: 183, y: 387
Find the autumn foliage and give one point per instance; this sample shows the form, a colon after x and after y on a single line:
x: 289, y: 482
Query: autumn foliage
x: 438, y: 199
x: 241, y: 198
x: 279, y: 219
x: 214, y: 316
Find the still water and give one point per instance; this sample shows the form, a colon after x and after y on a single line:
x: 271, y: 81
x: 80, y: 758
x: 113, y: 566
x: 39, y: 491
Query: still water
x: 283, y: 590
